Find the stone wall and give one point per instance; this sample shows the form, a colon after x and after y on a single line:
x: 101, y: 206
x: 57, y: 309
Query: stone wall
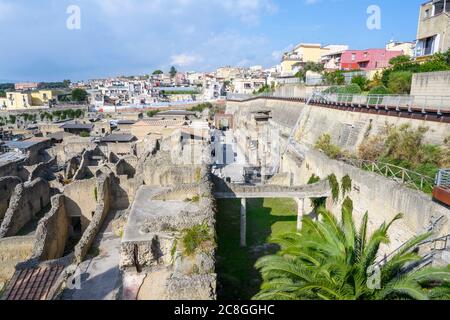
x: 27, y: 201
x: 348, y: 129
x: 382, y: 198
x: 84, y: 170
x: 14, y: 169
x: 159, y: 171
x: 71, y: 147
x: 52, y: 232
x: 81, y: 200
x: 7, y: 187
x: 101, y: 211
x: 433, y: 85
x: 179, y: 276
x: 43, y: 170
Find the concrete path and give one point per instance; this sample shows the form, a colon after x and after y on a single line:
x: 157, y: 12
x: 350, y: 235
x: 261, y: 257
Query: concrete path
x: 100, y: 275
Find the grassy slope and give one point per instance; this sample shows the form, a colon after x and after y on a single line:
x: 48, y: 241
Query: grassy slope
x: 238, y: 279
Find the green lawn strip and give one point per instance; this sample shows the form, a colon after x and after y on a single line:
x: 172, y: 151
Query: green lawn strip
x: 238, y: 279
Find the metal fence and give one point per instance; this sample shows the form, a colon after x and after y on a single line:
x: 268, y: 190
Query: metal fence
x: 397, y: 102
x: 437, y: 104
x: 407, y: 177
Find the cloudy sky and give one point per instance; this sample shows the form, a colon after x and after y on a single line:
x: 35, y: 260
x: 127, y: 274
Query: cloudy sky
x: 138, y: 36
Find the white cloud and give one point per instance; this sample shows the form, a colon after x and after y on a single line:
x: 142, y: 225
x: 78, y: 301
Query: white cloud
x: 278, y: 54
x: 184, y: 59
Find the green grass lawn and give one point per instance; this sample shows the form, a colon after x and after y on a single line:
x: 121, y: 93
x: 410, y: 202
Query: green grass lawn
x: 237, y: 277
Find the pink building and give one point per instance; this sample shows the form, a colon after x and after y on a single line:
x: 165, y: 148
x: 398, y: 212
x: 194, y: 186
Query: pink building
x: 26, y: 86
x: 370, y: 59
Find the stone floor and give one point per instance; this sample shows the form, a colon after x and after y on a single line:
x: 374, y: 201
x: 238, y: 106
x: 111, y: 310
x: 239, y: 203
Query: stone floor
x: 100, y: 275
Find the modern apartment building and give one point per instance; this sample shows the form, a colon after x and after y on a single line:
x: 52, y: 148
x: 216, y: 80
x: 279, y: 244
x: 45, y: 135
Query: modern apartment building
x: 367, y: 60
x: 433, y: 32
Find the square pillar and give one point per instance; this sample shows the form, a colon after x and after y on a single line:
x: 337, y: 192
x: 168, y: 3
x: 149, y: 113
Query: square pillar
x: 243, y: 228
x: 300, y: 210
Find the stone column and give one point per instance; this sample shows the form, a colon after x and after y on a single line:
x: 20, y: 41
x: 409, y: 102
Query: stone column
x: 243, y: 222
x: 300, y: 209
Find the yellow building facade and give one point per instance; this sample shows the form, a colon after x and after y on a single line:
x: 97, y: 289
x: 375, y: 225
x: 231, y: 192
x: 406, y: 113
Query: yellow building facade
x: 25, y: 100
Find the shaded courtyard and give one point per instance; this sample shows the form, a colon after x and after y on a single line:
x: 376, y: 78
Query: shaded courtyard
x: 237, y: 277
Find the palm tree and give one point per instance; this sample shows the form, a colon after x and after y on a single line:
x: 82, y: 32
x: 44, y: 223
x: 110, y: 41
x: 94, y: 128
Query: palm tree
x: 329, y: 260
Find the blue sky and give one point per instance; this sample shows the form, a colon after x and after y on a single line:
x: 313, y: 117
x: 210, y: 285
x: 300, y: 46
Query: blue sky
x: 138, y: 36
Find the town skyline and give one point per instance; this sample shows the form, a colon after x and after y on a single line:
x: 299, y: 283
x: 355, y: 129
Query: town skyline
x: 124, y: 39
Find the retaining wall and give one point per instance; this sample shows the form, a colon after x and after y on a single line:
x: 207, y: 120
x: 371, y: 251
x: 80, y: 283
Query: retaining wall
x: 27, y: 201
x: 52, y: 232
x: 7, y: 187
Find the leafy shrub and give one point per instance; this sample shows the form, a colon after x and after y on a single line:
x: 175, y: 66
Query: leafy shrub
x: 195, y: 239
x: 85, y: 134
x: 400, y: 82
x: 371, y: 149
x: 350, y: 89
x: 361, y: 81
x: 325, y: 145
x: 152, y: 113
x: 334, y: 78
x: 334, y: 187
x: 346, y: 185
x: 201, y: 107
x: 331, y: 90
x: 379, y: 90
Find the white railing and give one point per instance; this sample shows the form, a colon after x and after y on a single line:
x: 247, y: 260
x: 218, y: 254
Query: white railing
x: 424, y: 104
x: 401, y: 175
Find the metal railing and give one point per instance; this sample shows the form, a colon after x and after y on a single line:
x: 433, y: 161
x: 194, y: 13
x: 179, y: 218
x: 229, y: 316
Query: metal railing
x: 389, y: 102
x: 427, y: 249
x: 401, y: 175
x: 443, y: 178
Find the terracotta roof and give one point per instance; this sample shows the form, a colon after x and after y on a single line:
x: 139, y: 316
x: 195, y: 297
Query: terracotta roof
x: 32, y: 284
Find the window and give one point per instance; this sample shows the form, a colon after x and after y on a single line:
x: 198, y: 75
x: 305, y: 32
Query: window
x: 353, y: 56
x: 428, y: 47
x: 427, y: 13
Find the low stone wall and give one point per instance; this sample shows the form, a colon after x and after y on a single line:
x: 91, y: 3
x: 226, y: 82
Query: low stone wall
x: 28, y: 200
x: 14, y: 169
x: 159, y: 171
x: 43, y: 170
x: 52, y: 232
x: 72, y: 167
x: 102, y: 210
x: 7, y: 187
x: 382, y: 198
x: 183, y: 277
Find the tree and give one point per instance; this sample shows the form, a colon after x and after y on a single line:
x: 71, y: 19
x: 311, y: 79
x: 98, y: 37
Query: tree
x: 79, y: 95
x: 2, y: 94
x: 400, y: 82
x: 309, y: 66
x: 334, y: 78
x: 331, y: 260
x: 157, y: 72
x: 173, y: 72
x: 66, y: 83
x: 361, y: 81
